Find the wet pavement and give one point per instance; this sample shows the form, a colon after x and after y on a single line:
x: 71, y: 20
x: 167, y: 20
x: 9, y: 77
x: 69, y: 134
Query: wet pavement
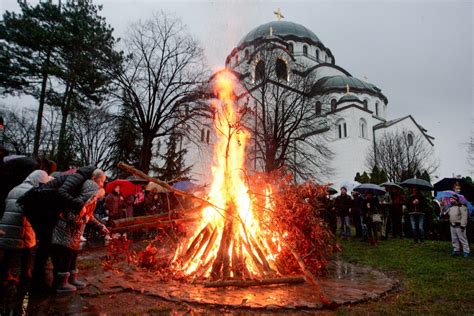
x: 345, y: 283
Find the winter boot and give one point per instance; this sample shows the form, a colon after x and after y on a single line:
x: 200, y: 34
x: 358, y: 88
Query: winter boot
x: 74, y: 281
x: 466, y: 255
x: 62, y: 285
x: 455, y: 253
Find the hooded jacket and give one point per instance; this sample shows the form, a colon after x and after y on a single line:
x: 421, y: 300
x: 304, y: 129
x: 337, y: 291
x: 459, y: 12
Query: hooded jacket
x: 18, y: 231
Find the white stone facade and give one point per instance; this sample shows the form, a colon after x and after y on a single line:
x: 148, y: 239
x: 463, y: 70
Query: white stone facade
x: 361, y: 108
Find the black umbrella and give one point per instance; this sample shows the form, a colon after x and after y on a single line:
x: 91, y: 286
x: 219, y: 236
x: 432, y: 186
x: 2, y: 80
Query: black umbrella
x: 331, y: 190
x: 391, y: 185
x: 448, y: 184
x: 365, y: 188
x: 417, y: 183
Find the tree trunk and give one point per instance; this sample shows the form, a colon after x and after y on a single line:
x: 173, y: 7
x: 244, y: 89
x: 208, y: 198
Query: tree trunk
x: 39, y: 119
x: 62, y: 146
x: 145, y: 152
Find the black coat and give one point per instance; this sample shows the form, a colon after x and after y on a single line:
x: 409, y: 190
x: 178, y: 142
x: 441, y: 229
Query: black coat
x: 15, y: 172
x: 342, y: 204
x: 69, y: 188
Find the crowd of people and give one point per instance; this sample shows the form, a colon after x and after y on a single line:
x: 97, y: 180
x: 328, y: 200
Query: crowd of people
x: 44, y: 215
x: 396, y: 214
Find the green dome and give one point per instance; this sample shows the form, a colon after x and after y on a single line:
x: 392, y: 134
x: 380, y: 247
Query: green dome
x: 283, y: 29
x: 349, y: 98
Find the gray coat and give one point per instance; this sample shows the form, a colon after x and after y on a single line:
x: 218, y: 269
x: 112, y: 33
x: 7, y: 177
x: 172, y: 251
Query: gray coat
x: 18, y: 231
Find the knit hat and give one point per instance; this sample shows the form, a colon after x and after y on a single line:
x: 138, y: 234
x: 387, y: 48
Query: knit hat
x: 88, y: 190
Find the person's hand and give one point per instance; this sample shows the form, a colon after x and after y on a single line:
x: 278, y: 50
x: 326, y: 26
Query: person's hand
x: 415, y: 201
x: 105, y: 230
x: 2, y: 232
x: 100, y: 193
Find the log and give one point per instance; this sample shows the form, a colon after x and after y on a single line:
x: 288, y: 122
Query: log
x: 192, y: 252
x: 153, y: 225
x: 132, y: 170
x: 129, y: 221
x: 211, y: 242
x: 246, y: 283
x: 223, y: 251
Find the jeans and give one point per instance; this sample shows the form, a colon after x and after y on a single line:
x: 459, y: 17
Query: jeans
x: 345, y: 226
x: 417, y: 221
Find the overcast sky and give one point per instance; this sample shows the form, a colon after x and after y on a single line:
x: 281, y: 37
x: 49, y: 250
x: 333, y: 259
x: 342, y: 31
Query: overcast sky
x: 420, y: 53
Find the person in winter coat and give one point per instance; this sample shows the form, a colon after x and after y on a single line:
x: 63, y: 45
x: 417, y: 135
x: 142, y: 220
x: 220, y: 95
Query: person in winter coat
x: 356, y: 213
x: 370, y: 206
x: 417, y: 205
x: 68, y: 189
x: 458, y: 217
x: 342, y: 205
x: 115, y: 204
x: 18, y: 241
x: 66, y: 239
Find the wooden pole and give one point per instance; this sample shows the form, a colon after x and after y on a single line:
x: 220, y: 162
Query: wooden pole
x: 246, y: 283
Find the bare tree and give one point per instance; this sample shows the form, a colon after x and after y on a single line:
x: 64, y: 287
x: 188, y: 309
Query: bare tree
x: 287, y: 129
x: 19, y: 133
x: 402, y: 155
x: 160, y: 79
x: 93, y: 137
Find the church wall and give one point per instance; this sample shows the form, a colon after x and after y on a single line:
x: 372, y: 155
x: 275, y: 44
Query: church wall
x: 350, y: 152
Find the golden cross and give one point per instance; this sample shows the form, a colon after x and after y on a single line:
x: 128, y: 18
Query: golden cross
x: 278, y: 14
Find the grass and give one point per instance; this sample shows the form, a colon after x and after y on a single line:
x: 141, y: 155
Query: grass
x: 431, y: 281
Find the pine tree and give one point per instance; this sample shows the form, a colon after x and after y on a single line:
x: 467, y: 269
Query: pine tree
x: 174, y: 165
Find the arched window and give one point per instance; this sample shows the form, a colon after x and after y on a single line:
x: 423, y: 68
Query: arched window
x: 290, y: 47
x: 305, y: 50
x: 259, y: 70
x: 317, y: 54
x: 410, y: 139
x: 333, y: 105
x: 202, y: 135
x: 377, y: 109
x: 207, y: 136
x: 318, y: 108
x: 280, y: 69
x: 246, y: 53
x: 341, y: 129
x: 363, y: 128
x: 236, y: 59
x: 366, y: 104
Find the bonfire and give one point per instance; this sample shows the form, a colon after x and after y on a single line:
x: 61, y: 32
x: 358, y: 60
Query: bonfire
x: 252, y: 230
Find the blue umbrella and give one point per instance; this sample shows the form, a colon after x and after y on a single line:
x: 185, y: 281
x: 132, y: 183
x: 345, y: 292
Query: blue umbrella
x: 444, y: 198
x: 186, y: 186
x: 365, y: 188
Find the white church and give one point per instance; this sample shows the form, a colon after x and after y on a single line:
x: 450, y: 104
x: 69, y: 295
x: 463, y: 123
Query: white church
x: 352, y: 112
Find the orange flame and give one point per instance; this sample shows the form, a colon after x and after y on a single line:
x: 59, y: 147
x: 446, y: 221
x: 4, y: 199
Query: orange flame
x: 229, y: 193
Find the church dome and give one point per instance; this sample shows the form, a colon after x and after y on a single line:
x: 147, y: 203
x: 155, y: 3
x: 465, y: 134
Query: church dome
x: 349, y: 98
x: 340, y: 83
x: 283, y: 29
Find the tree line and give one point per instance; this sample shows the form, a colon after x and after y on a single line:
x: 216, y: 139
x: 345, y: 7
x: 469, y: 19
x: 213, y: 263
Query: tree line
x: 100, y: 99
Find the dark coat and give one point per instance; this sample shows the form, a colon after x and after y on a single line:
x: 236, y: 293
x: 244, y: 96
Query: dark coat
x: 13, y: 173
x: 342, y: 204
x: 370, y: 207
x: 69, y: 188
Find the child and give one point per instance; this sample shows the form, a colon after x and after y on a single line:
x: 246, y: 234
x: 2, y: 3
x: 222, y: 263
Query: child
x: 458, y: 219
x: 66, y: 239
